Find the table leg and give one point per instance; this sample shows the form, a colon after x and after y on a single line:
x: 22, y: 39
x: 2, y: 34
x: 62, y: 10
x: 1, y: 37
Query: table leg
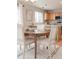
x: 35, y: 47
x: 24, y: 51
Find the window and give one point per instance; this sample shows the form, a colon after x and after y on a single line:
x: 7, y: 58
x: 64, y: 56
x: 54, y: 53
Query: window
x: 38, y: 17
x: 39, y: 20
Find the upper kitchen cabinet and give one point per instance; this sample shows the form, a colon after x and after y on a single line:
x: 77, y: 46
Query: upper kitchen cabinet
x: 50, y: 16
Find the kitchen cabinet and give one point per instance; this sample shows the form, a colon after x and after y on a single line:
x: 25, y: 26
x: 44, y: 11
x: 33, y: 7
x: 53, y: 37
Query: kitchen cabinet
x: 50, y: 16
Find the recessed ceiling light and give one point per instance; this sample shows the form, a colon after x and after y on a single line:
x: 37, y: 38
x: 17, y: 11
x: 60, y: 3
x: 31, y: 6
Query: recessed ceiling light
x: 27, y: 0
x: 32, y: 0
x: 45, y: 4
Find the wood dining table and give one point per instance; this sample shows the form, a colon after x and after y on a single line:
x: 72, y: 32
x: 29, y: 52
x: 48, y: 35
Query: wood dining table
x: 36, y: 34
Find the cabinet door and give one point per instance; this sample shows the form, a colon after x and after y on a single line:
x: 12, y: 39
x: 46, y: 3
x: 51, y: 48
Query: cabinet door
x: 29, y: 13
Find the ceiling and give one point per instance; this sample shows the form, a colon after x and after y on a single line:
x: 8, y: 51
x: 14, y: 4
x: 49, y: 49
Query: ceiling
x: 47, y: 4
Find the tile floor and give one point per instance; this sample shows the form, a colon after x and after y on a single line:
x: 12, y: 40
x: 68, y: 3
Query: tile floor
x: 42, y: 54
x: 58, y: 55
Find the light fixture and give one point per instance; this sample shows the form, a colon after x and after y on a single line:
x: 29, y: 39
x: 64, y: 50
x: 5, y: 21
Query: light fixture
x: 32, y: 0
x: 27, y: 0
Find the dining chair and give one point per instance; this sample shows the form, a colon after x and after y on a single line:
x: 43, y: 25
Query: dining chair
x: 28, y: 45
x: 50, y: 43
x: 29, y: 41
x: 23, y: 42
